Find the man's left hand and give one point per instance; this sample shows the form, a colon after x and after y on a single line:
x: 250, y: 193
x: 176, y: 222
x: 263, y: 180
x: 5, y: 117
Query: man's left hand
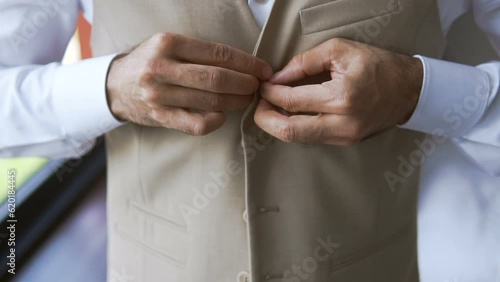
x: 370, y: 90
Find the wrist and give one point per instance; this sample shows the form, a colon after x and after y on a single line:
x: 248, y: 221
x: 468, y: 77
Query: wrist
x: 112, y: 88
x: 413, y: 76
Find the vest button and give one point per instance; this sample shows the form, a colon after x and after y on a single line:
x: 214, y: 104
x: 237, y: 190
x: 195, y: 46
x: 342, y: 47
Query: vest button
x: 245, y: 216
x: 243, y: 277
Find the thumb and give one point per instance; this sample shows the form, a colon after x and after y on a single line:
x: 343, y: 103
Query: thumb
x: 293, y: 71
x: 312, y: 62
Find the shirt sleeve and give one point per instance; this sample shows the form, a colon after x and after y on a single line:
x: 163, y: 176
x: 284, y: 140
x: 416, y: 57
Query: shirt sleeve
x: 48, y: 109
x: 463, y: 102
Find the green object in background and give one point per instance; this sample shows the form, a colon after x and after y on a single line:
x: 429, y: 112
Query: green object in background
x: 25, y: 168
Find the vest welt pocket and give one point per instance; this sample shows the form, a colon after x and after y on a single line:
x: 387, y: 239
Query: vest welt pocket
x: 344, y: 12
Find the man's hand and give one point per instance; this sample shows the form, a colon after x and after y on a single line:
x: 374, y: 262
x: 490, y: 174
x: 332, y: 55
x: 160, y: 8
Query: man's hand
x: 183, y: 83
x: 371, y: 90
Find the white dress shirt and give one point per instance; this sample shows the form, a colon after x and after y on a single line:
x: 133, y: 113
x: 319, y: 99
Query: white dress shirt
x: 57, y: 111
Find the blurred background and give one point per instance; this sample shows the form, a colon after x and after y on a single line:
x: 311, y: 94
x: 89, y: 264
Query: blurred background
x: 61, y: 211
x: 60, y: 207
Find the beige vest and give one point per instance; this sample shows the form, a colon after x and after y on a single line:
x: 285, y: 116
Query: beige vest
x: 317, y: 213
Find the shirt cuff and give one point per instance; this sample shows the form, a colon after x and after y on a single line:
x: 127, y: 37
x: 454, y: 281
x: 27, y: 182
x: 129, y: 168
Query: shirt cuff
x: 79, y: 99
x: 452, y: 100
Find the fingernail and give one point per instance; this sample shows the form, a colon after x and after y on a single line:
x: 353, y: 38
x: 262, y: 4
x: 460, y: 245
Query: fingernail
x: 267, y: 73
x: 276, y: 76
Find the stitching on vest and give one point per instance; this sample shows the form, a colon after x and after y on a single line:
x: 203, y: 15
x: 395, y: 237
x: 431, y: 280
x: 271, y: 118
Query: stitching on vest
x: 424, y: 19
x: 304, y: 26
x: 372, y: 249
x: 142, y: 187
x: 146, y: 247
x: 157, y: 217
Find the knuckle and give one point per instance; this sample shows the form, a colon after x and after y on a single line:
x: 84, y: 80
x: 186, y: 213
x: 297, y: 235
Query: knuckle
x: 179, y: 73
x: 192, y: 75
x: 348, y: 99
x: 152, y: 68
x: 289, y: 104
x: 335, y: 42
x: 213, y: 102
x: 152, y: 95
x: 222, y: 53
x: 164, y: 41
x: 214, y: 80
x: 199, y: 128
x: 160, y: 117
x: 145, y: 78
x: 149, y: 95
x: 356, y: 133
x: 286, y: 132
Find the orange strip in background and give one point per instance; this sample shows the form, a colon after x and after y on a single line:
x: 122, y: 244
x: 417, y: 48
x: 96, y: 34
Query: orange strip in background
x: 84, y: 29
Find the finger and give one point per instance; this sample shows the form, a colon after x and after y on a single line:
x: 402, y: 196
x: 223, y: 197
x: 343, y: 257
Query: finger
x: 302, y: 129
x: 209, y: 53
x: 192, y: 123
x: 319, y: 98
x: 209, y: 78
x: 319, y: 129
x: 312, y: 62
x: 178, y: 96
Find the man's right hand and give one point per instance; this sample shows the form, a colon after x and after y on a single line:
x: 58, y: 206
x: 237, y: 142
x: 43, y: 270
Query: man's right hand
x: 183, y: 83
